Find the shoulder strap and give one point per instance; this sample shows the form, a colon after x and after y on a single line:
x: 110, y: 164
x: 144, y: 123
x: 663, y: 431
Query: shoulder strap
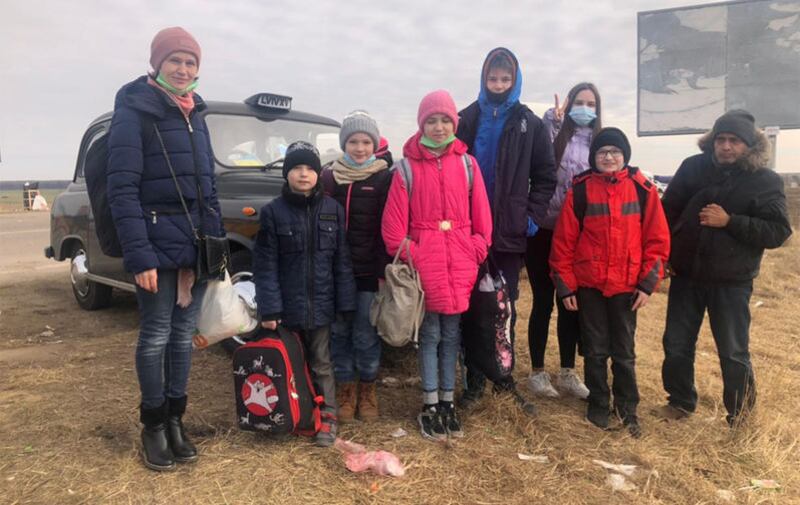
x: 579, y: 199
x: 468, y: 167
x: 407, y: 174
x: 642, y: 185
x: 175, y: 180
x: 328, y: 181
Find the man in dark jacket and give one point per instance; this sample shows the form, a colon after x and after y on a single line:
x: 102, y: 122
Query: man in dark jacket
x: 724, y: 207
x: 302, y: 269
x: 516, y: 161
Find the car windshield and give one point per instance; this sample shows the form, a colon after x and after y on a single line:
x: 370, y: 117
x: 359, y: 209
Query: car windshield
x: 246, y: 141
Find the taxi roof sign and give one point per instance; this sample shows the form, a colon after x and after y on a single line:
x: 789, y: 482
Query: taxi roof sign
x: 270, y: 101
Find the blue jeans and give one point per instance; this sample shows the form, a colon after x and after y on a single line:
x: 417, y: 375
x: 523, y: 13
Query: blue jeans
x: 355, y: 345
x: 439, y: 344
x: 164, y: 350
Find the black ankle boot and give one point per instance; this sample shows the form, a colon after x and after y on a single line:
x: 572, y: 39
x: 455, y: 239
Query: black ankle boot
x: 155, y: 446
x: 183, y: 449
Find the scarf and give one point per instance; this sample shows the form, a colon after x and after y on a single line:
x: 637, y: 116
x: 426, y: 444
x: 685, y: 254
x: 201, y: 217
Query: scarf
x: 343, y: 173
x: 185, y: 103
x: 185, y: 283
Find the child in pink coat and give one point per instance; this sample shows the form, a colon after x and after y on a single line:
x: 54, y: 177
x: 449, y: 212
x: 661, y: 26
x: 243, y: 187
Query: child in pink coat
x: 449, y: 223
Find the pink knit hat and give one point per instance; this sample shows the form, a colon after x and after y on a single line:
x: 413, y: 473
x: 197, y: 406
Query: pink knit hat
x: 171, y: 40
x: 437, y: 102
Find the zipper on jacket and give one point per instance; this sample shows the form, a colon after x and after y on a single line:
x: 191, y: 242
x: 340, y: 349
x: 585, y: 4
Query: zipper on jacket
x: 447, y: 233
x: 188, y: 124
x: 155, y: 218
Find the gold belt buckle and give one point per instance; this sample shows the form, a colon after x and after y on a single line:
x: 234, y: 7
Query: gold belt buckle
x: 445, y: 225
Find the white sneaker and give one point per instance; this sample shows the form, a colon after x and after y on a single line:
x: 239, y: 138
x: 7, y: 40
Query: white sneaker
x: 569, y: 382
x: 539, y: 384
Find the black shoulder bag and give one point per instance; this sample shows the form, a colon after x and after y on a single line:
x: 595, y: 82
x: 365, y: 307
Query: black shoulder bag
x: 213, y: 253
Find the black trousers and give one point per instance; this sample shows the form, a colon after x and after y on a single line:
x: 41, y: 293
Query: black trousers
x: 537, y: 263
x: 608, y: 326
x: 510, y: 264
x: 729, y: 315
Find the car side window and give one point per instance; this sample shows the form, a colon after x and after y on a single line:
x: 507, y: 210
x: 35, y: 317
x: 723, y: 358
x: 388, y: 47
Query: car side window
x: 93, y: 135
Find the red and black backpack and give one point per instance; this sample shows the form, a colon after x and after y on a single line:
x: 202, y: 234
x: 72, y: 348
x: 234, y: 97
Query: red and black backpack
x: 273, y: 387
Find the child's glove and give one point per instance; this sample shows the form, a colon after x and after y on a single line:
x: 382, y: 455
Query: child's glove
x: 532, y: 227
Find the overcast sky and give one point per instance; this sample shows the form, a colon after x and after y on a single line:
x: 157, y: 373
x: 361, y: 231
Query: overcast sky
x: 61, y: 63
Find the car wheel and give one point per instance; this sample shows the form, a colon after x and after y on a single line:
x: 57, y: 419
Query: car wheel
x: 240, y: 272
x: 90, y: 295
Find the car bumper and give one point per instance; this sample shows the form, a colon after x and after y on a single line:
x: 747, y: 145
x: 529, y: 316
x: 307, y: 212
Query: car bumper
x: 49, y: 252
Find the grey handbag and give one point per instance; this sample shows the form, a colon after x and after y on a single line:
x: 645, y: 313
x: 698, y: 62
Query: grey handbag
x: 399, y: 306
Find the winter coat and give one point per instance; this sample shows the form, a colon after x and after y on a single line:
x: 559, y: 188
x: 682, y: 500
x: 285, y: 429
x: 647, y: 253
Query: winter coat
x: 152, y: 226
x: 618, y: 249
x: 574, y: 161
x: 301, y: 262
x: 363, y: 203
x: 525, y: 175
x: 753, y: 196
x: 450, y: 231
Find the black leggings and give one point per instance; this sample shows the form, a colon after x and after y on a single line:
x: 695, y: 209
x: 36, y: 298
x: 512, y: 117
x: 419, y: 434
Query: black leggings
x: 568, y: 325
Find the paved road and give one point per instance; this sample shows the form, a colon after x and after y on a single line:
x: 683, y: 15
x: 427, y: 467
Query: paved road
x: 23, y: 237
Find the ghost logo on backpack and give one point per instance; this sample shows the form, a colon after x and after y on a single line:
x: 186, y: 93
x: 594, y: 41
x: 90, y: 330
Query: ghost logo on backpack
x: 259, y: 394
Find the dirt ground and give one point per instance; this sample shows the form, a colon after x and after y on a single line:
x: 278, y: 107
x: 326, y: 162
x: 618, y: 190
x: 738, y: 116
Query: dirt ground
x: 69, y: 420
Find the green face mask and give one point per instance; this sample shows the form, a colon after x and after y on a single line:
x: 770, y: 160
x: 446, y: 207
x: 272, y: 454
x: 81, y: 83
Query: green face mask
x: 172, y: 89
x: 428, y: 142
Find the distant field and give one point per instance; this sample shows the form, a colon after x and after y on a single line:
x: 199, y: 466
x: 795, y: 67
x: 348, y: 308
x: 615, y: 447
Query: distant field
x: 11, y: 200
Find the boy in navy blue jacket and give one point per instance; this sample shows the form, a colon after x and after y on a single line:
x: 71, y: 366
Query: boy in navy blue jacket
x: 302, y: 269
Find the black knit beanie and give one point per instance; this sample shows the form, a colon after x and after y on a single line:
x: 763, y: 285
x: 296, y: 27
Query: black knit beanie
x: 610, y: 137
x: 301, y: 153
x: 738, y: 122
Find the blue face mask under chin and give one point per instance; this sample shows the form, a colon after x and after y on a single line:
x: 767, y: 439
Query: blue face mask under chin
x: 582, y: 115
x: 358, y: 166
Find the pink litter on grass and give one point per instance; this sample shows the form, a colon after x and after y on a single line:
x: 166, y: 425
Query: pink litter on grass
x: 358, y: 459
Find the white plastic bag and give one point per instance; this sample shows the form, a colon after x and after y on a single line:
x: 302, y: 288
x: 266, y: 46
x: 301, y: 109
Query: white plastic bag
x: 223, y: 314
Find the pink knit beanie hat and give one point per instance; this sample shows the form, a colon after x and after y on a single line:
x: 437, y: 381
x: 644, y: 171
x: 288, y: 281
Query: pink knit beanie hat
x: 437, y: 102
x: 171, y: 40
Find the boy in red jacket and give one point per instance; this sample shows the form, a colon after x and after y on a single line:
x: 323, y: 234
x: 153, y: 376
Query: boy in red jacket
x: 609, y: 249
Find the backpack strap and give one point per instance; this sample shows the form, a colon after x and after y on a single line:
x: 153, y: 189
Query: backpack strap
x: 407, y: 175
x: 328, y: 181
x: 468, y: 168
x: 643, y: 186
x: 579, y: 196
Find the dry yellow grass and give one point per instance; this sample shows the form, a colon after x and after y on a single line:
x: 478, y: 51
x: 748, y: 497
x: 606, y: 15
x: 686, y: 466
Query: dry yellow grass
x: 69, y: 432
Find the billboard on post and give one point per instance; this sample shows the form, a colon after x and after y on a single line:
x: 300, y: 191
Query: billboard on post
x: 695, y: 63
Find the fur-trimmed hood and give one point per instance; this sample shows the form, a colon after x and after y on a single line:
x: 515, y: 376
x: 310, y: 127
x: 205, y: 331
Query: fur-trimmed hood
x: 756, y: 159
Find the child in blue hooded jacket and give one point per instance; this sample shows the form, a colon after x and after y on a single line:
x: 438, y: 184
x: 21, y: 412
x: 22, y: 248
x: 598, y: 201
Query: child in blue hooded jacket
x: 515, y: 155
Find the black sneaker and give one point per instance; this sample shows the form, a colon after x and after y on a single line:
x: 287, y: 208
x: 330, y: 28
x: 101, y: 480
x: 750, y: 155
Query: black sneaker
x: 598, y: 416
x: 451, y: 424
x: 430, y: 424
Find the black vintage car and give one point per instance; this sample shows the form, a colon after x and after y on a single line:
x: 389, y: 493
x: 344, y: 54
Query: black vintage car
x: 249, y: 140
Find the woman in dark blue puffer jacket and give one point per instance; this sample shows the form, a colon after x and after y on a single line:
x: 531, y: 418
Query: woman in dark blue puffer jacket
x: 156, y: 235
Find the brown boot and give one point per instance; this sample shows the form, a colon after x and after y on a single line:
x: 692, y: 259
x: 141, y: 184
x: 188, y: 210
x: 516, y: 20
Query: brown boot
x: 367, y: 402
x: 346, y: 400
